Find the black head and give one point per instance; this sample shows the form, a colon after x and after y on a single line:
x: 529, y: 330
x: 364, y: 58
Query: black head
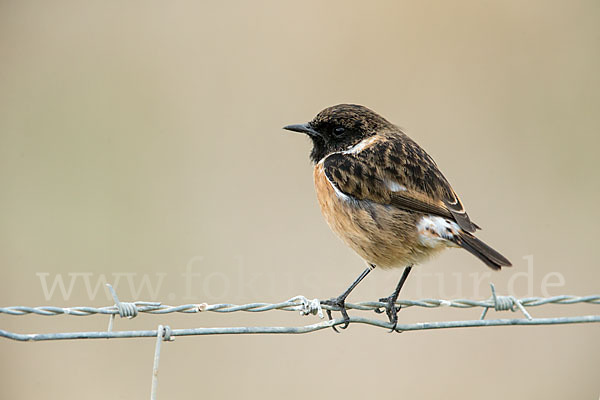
x: 340, y: 127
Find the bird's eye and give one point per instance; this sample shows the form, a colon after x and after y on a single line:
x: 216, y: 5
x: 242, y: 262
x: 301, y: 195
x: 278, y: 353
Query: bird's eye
x: 338, y: 131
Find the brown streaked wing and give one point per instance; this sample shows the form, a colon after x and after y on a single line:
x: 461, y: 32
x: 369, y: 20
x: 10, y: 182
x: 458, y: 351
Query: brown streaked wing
x: 363, y: 176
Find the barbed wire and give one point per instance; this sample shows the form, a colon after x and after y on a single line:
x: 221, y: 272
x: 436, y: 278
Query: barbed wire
x: 304, y: 306
x: 289, y: 305
x: 298, y: 304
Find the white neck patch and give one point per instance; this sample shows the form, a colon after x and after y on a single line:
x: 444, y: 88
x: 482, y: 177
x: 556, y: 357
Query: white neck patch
x: 360, y: 146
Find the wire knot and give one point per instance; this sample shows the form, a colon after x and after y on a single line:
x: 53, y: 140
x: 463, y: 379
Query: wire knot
x: 128, y: 310
x: 166, y: 333
x: 505, y: 303
x: 309, y: 306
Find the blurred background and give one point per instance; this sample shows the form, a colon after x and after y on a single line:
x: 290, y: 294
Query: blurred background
x: 141, y: 145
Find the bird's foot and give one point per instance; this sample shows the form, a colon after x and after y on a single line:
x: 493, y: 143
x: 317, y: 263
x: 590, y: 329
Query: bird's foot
x: 339, y: 302
x: 391, y: 310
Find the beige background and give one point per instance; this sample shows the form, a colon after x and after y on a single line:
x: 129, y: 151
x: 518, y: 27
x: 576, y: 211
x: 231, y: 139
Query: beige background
x: 137, y: 137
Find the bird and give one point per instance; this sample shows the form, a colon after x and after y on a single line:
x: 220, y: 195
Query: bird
x: 385, y: 197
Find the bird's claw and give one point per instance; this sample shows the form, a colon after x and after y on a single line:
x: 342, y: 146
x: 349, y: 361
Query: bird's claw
x: 391, y: 310
x: 341, y: 304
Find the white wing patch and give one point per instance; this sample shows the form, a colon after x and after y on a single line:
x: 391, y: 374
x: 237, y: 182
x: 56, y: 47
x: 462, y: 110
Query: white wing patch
x: 394, y: 186
x: 436, y: 231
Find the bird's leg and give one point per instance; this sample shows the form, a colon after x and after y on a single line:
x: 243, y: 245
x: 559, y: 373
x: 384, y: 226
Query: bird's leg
x: 391, y: 309
x: 340, y: 301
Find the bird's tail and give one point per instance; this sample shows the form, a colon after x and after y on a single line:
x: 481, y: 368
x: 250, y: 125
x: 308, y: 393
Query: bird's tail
x: 485, y: 253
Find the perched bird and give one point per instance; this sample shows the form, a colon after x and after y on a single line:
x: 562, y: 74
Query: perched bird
x: 385, y: 197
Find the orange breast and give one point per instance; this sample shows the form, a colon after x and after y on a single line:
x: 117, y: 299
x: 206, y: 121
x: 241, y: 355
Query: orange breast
x: 337, y: 211
x: 381, y: 235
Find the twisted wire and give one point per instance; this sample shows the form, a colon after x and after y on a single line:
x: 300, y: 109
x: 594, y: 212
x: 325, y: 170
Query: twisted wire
x: 293, y: 304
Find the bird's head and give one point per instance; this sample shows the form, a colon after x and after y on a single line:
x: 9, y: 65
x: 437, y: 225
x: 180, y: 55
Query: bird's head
x: 339, y: 128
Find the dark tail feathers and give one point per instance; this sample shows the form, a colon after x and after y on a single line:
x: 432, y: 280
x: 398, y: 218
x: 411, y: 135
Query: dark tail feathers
x: 485, y: 253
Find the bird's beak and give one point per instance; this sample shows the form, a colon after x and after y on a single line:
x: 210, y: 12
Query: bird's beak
x: 302, y: 128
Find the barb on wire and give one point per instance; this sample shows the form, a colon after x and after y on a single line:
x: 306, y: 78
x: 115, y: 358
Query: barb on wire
x: 505, y: 303
x: 126, y: 310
